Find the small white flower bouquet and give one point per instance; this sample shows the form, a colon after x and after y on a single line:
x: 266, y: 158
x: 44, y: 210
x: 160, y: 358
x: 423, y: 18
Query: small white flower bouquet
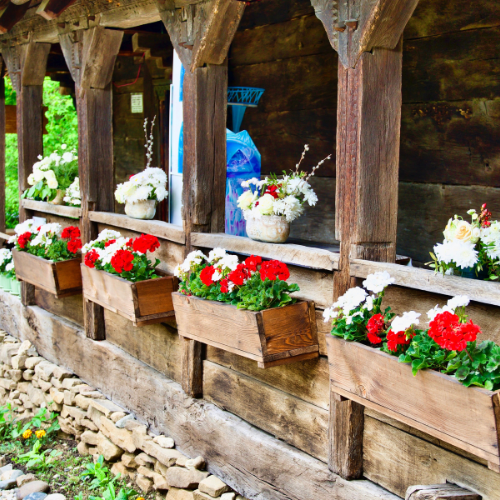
x: 284, y: 196
x: 52, y: 175
x: 73, y: 196
x: 470, y: 249
x: 144, y: 190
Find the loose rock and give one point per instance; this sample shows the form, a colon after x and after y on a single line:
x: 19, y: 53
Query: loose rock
x: 25, y: 478
x: 55, y: 496
x: 213, y: 486
x: 195, y: 463
x: 164, y: 442
x: 32, y: 487
x: 38, y: 495
x: 184, y: 478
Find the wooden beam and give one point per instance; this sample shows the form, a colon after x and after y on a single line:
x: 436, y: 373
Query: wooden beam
x: 90, y: 55
x: 10, y: 14
x: 52, y: 9
x: 440, y: 492
x: 2, y: 146
x: 48, y: 208
x: 201, y: 33
x: 27, y: 66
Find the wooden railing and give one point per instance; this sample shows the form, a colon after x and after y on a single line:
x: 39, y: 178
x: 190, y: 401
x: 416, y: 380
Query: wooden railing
x: 48, y: 208
x: 163, y: 230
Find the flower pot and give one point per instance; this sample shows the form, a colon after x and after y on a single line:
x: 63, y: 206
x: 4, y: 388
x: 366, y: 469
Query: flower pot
x: 15, y: 287
x: 144, y: 210
x: 4, y: 282
x: 271, y: 337
x: 144, y: 303
x: 59, y: 278
x: 437, y: 404
x: 269, y: 228
x: 58, y: 200
x: 470, y: 273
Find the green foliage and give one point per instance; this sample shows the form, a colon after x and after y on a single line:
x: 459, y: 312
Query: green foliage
x: 110, y: 494
x: 99, y: 475
x: 62, y: 128
x: 42, y: 419
x: 6, y: 422
x: 38, y: 460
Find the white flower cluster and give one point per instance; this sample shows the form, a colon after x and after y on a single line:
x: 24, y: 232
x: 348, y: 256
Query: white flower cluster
x: 150, y: 184
x: 44, y: 168
x: 105, y: 235
x: 451, y: 306
x: 293, y: 192
x: 6, y: 261
x: 358, y: 297
x: 490, y: 236
x: 406, y: 321
x: 46, y: 234
x: 462, y: 253
x: 73, y: 196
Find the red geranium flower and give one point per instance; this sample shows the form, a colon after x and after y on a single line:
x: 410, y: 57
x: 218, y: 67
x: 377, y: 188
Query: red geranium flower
x: 109, y: 242
x: 146, y: 242
x: 274, y: 269
x: 129, y: 243
x: 449, y: 333
x: 91, y: 258
x: 239, y: 275
x: 397, y: 338
x: 206, y: 275
x: 224, y: 285
x: 122, y: 261
x: 375, y: 325
x: 252, y: 262
x: 74, y: 245
x: 71, y: 232
x: 23, y: 239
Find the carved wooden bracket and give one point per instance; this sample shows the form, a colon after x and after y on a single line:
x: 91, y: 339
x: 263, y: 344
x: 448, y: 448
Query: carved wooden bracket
x: 90, y: 55
x: 354, y: 26
x: 26, y: 63
x: 201, y: 33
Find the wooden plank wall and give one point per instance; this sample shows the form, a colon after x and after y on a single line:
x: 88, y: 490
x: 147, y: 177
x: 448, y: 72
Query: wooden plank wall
x: 450, y: 137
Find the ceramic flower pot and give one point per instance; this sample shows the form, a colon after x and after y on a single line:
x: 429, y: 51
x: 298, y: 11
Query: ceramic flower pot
x: 269, y: 228
x: 58, y: 200
x: 15, y: 287
x: 6, y: 284
x: 2, y: 281
x: 141, y: 210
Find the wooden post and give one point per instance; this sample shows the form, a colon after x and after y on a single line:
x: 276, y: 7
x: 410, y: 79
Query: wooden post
x: 90, y: 55
x: 27, y: 66
x: 201, y: 38
x: 2, y: 146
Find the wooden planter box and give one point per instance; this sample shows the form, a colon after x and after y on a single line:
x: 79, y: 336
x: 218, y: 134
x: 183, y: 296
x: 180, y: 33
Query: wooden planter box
x: 143, y: 303
x: 60, y: 278
x: 271, y: 337
x: 466, y: 417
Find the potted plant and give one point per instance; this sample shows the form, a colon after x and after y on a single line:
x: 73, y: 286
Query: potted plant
x: 143, y: 191
x: 118, y: 275
x: 470, y: 249
x: 6, y: 268
x: 47, y: 256
x: 245, y: 308
x: 438, y: 379
x: 51, y: 176
x: 270, y: 205
x: 73, y: 196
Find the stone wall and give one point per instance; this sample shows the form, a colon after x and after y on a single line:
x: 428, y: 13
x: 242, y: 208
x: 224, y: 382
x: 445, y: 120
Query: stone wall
x: 29, y: 382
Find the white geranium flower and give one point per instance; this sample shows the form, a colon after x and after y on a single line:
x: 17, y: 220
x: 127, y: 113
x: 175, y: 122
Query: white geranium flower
x: 404, y: 322
x: 378, y: 282
x: 351, y: 299
x: 330, y: 314
x: 432, y: 313
x: 216, y: 254
x: 369, y: 303
x: 458, y: 301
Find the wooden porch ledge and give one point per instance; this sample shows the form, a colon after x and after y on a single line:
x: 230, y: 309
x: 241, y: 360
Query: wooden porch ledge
x: 157, y: 228
x: 48, y: 208
x: 298, y: 255
x: 487, y: 292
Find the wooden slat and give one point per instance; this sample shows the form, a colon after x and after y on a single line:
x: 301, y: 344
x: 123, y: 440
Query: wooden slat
x: 440, y: 492
x: 229, y: 444
x: 48, y: 208
x: 432, y: 402
x: 157, y: 228
x: 313, y: 258
x: 296, y: 422
x: 487, y: 292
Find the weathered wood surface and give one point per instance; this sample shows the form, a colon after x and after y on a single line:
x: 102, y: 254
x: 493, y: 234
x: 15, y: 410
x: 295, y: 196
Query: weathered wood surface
x: 427, y: 402
x: 10, y: 14
x: 412, y: 460
x: 157, y: 228
x: 60, y: 278
x: 11, y: 119
x: 48, y: 208
x: 2, y: 145
x: 313, y: 258
x: 156, y: 345
x: 440, y: 492
x: 307, y: 380
x: 264, y: 336
x: 345, y: 437
x: 70, y: 308
x: 296, y: 422
x: 487, y: 292
x: 51, y: 9
x: 256, y: 464
x: 141, y: 302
